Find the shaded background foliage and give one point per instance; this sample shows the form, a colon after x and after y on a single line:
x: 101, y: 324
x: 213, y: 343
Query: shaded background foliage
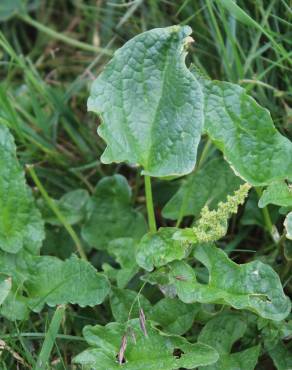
x: 43, y: 92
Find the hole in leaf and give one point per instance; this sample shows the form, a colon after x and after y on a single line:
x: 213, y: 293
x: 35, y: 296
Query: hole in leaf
x: 123, y: 360
x: 262, y: 297
x: 177, y: 352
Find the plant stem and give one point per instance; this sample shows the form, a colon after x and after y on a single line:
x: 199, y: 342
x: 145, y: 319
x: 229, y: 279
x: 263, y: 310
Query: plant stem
x: 57, y: 212
x: 50, y: 338
x: 266, y: 214
x: 149, y: 203
x: 60, y: 36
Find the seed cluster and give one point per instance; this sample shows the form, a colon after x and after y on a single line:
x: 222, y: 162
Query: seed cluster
x: 212, y: 225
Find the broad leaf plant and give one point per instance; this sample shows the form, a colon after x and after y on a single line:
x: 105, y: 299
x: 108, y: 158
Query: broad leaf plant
x: 172, y: 123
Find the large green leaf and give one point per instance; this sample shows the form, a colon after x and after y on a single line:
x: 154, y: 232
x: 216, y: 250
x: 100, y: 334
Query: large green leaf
x: 156, y: 351
x: 254, y: 286
x: 156, y: 250
x: 21, y: 225
x: 209, y: 185
x: 53, y: 281
x: 5, y: 287
x: 278, y: 193
x: 229, y: 328
x: 150, y: 104
x: 174, y: 316
x: 111, y: 215
x: 245, y: 133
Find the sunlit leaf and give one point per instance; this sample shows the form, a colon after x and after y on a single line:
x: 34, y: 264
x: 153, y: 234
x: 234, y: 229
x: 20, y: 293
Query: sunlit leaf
x: 150, y: 104
x: 157, y: 351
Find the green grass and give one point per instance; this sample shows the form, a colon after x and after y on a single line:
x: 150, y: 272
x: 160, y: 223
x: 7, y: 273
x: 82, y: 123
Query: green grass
x: 47, y: 63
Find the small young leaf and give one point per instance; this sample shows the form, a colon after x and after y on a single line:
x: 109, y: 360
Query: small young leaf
x: 156, y: 250
x: 111, y: 215
x: 229, y: 327
x: 209, y: 185
x: 245, y: 133
x: 150, y: 104
x: 55, y: 282
x: 157, y: 351
x: 21, y: 225
x: 254, y: 286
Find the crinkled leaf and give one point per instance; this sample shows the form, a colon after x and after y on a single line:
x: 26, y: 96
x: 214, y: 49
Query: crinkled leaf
x: 72, y: 205
x: 282, y: 357
x: 21, y: 225
x: 174, y: 316
x: 53, y: 281
x: 254, y: 286
x: 278, y: 193
x: 150, y: 104
x: 288, y: 225
x: 111, y: 215
x: 209, y: 185
x: 124, y: 251
x: 5, y: 287
x: 121, y: 301
x: 157, y: 351
x: 221, y: 333
x: 245, y: 133
x: 156, y: 250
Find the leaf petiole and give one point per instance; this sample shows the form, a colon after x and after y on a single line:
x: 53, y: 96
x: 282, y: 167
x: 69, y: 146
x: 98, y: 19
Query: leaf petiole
x: 149, y: 204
